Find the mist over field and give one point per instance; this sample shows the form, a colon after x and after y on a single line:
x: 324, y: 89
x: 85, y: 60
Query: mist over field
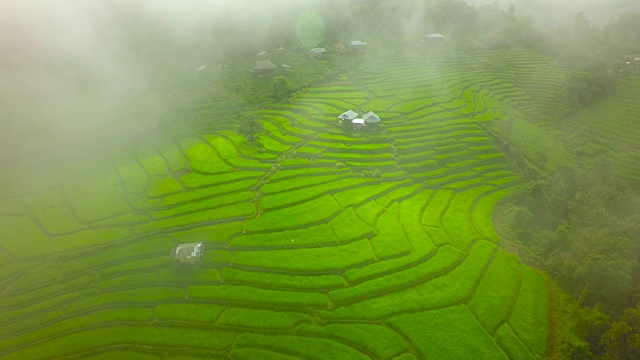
x: 75, y: 72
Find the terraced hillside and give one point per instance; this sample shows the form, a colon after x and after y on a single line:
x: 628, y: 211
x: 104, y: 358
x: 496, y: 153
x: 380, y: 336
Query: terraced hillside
x: 615, y: 122
x: 323, y: 242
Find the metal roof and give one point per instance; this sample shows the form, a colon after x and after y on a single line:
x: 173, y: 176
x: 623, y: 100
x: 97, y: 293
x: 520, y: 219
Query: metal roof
x: 357, y: 121
x: 350, y: 115
x: 265, y: 65
x: 357, y: 43
x: 371, y: 118
x: 189, y: 250
x: 435, y: 36
x: 318, y: 50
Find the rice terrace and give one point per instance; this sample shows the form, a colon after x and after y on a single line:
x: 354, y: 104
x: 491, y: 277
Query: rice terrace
x: 307, y: 238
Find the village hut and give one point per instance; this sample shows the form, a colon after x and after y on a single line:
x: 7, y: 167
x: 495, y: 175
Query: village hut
x: 188, y: 254
x: 371, y: 118
x: 348, y: 116
x: 264, y: 66
x: 317, y: 52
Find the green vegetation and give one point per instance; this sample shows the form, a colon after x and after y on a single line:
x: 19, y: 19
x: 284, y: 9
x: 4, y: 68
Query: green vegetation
x: 307, y: 226
x: 327, y: 242
x: 433, y: 336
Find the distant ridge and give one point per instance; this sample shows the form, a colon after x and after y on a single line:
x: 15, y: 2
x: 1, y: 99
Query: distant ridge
x: 551, y: 12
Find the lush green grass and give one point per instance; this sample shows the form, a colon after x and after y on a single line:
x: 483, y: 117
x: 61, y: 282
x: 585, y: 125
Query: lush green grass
x: 118, y: 254
x: 307, y: 213
x: 101, y: 317
x: 434, y: 337
x: 174, y: 156
x: 242, y: 294
x: 206, y: 204
x: 261, y: 319
x: 363, y: 193
x: 122, y: 355
x: 127, y: 297
x: 216, y: 234
x: 151, y: 161
x: 347, y: 226
x: 195, y: 180
x: 249, y: 353
x: 311, y: 260
x: 390, y: 240
x: 52, y: 212
x: 280, y: 281
x: 456, y: 219
x: 378, y: 340
x: 300, y: 346
x: 453, y: 287
x: 206, y: 313
x: 203, y: 158
x: 492, y: 304
x: 444, y: 260
x: 322, y: 242
x: 116, y: 335
x: 164, y: 186
x: 313, y: 235
x: 530, y: 319
x: 293, y: 197
x: 511, y: 345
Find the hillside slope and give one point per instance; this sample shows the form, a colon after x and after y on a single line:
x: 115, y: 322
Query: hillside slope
x: 323, y: 242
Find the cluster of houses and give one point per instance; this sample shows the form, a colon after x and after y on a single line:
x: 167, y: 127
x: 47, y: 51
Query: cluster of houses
x: 353, y: 118
x: 354, y: 45
x: 266, y: 66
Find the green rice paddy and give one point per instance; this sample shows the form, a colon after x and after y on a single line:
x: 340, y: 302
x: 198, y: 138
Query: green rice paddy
x: 322, y: 242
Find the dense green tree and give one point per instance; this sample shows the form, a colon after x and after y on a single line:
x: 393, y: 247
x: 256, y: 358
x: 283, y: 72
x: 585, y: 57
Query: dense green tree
x: 281, y: 89
x: 250, y: 128
x: 622, y: 339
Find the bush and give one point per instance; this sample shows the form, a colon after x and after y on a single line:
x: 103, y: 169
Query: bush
x: 281, y: 89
